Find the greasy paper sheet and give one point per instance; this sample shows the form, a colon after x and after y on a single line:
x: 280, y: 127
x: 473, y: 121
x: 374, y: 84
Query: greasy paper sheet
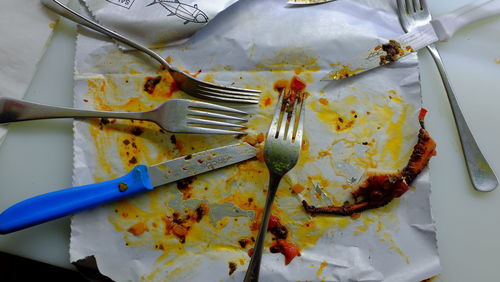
x: 365, y: 122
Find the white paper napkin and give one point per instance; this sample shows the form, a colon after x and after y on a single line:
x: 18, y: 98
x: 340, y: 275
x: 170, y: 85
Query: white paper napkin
x: 256, y: 43
x: 25, y: 27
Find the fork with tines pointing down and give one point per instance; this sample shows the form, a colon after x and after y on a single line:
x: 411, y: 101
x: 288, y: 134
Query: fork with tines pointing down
x: 175, y: 115
x: 413, y: 14
x: 281, y: 152
x: 187, y: 83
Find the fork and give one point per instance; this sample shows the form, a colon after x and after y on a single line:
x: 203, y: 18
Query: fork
x: 281, y: 152
x: 187, y: 83
x: 175, y: 115
x: 415, y: 13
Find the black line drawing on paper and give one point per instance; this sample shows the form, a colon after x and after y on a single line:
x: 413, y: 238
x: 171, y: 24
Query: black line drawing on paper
x: 184, y: 11
x: 123, y: 3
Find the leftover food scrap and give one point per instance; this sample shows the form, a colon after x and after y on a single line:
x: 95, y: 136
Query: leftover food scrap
x: 180, y: 226
x: 380, y: 188
x: 393, y: 51
x: 150, y: 84
x: 280, y: 243
x: 232, y: 267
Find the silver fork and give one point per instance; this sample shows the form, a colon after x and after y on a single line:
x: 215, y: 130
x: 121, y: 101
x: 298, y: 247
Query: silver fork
x: 175, y: 115
x: 281, y: 152
x: 414, y: 13
x: 187, y: 83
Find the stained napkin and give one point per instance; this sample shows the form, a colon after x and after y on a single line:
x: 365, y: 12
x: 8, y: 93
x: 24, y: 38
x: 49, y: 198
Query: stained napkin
x: 25, y: 28
x: 156, y: 23
x: 370, y: 121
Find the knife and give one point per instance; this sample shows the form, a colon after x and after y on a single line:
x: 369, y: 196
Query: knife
x: 140, y: 179
x: 441, y: 28
x: 307, y: 2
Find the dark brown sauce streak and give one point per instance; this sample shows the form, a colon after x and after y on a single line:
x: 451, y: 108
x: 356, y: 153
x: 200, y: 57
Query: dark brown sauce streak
x: 380, y: 189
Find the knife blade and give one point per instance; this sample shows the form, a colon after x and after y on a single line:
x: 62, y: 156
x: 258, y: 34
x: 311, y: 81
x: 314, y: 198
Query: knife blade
x: 140, y: 179
x: 307, y: 2
x: 439, y: 29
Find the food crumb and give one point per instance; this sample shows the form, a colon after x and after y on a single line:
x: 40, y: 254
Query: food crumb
x: 137, y: 131
x: 260, y: 138
x: 297, y: 188
x: 393, y: 51
x: 497, y: 61
x: 267, y: 101
x: 138, y: 229
x: 150, y: 84
x: 260, y: 155
x: 133, y: 160
x: 244, y: 242
x: 232, y: 267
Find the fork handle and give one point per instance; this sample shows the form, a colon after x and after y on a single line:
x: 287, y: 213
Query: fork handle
x: 14, y: 110
x: 446, y: 25
x: 482, y: 176
x: 253, y: 270
x: 72, y: 15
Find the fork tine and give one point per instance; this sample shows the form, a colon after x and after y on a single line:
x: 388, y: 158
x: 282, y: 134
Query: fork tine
x: 401, y: 7
x: 273, y: 128
x: 218, y: 93
x: 409, y: 7
x: 203, y: 93
x: 225, y: 88
x: 223, y: 99
x: 282, y: 131
x: 209, y: 106
x: 416, y: 5
x: 197, y: 113
x: 235, y: 91
x: 300, y: 126
x: 291, y: 126
x: 230, y: 96
x: 205, y: 130
x: 212, y: 122
x: 423, y: 6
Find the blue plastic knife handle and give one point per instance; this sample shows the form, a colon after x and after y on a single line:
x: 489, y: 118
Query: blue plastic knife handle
x: 69, y: 201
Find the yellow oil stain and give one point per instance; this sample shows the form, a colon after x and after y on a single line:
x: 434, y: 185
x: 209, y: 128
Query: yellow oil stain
x: 53, y: 24
x: 343, y: 71
x: 387, y: 238
x: 367, y: 222
x: 295, y: 59
x: 209, y: 77
x: 321, y: 268
x: 395, y: 135
x: 252, y: 50
x: 335, y: 115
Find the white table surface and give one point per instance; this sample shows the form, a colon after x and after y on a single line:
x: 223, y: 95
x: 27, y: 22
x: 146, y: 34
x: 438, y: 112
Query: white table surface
x: 37, y: 156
